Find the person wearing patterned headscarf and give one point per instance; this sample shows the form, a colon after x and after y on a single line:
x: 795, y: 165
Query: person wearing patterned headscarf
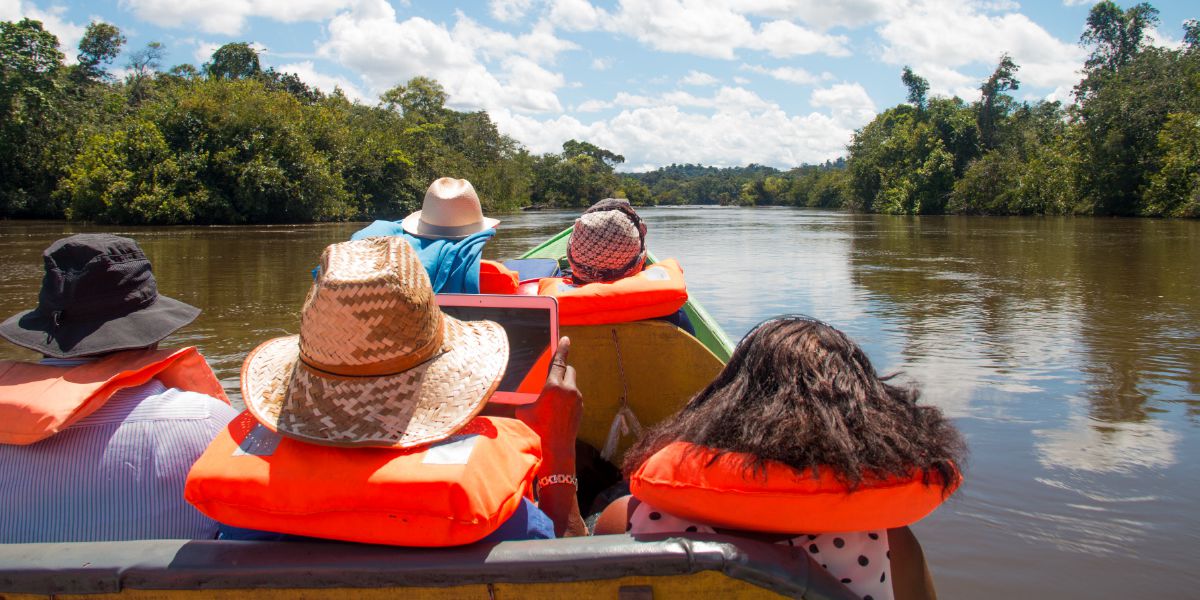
x: 608, y: 243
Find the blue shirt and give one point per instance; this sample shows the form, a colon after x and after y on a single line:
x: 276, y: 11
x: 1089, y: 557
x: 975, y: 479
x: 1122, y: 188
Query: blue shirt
x: 117, y: 474
x: 452, y: 265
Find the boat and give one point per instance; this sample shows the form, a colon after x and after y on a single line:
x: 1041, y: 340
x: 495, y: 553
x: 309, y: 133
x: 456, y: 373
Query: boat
x: 631, y: 374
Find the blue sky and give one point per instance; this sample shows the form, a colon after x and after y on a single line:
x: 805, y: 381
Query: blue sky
x: 718, y: 82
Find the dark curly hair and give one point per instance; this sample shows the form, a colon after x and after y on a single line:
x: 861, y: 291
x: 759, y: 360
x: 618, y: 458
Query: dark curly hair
x: 799, y: 392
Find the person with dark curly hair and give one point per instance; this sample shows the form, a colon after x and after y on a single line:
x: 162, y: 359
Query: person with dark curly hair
x: 799, y: 402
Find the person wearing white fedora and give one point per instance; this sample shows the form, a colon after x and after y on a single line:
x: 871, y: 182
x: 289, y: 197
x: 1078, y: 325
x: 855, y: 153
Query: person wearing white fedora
x: 449, y: 233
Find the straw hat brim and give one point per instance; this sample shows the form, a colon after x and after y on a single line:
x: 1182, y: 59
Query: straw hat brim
x: 415, y: 226
x: 424, y: 404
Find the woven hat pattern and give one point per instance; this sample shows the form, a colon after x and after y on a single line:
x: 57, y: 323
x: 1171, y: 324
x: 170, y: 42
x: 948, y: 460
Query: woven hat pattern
x: 376, y: 363
x: 369, y: 307
x: 419, y: 406
x: 606, y: 244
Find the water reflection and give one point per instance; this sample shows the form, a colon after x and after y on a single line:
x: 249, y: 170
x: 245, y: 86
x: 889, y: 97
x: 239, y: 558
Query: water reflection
x: 1086, y: 444
x: 1113, y: 303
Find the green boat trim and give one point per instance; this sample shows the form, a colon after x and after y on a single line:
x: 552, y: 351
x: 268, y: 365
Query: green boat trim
x: 707, y: 330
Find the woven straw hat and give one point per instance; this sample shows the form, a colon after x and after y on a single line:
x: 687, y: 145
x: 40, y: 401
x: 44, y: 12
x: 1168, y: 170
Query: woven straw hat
x: 376, y: 362
x: 450, y: 211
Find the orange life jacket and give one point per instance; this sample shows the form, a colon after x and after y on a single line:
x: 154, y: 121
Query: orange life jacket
x: 38, y: 401
x: 495, y: 278
x: 656, y: 291
x: 453, y: 492
x: 679, y: 479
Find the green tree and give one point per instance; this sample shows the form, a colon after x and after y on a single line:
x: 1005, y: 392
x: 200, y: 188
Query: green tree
x: 573, y: 148
x: 635, y: 191
x: 1174, y: 190
x: 30, y: 118
x: 130, y: 176
x: 422, y: 100
x: 1118, y: 124
x: 1191, y: 35
x: 100, y: 45
x: 143, y: 70
x: 235, y: 60
x: 1115, y: 37
x: 580, y: 176
x: 993, y: 102
x: 899, y: 164
x: 918, y: 87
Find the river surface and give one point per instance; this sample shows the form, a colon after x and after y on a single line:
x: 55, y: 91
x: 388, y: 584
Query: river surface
x: 1066, y: 349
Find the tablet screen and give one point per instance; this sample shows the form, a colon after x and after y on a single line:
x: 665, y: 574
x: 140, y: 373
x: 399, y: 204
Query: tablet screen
x: 531, y: 324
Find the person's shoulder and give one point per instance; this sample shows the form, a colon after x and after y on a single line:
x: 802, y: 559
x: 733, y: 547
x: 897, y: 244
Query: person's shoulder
x: 176, y: 403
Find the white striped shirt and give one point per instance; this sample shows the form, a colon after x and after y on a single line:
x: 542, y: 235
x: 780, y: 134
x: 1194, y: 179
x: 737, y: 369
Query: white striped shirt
x: 117, y: 474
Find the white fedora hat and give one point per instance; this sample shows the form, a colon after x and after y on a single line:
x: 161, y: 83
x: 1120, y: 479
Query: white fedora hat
x: 451, y: 211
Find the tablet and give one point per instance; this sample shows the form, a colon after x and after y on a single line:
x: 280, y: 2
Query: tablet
x: 531, y: 323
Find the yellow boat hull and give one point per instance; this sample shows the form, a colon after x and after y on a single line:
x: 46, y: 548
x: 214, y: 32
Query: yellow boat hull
x: 653, y: 367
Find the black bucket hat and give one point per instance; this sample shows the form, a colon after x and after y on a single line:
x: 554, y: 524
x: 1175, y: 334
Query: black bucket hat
x: 98, y: 296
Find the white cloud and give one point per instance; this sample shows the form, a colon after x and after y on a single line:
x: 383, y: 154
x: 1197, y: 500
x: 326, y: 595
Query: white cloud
x: 593, y: 106
x: 848, y: 102
x: 229, y: 16
x: 938, y: 38
x: 789, y: 74
x: 824, y: 14
x: 52, y: 19
x: 509, y: 11
x: 784, y: 38
x: 576, y: 15
x: 698, y: 78
x: 326, y: 83
x: 732, y: 126
x: 601, y: 64
x: 704, y: 28
x: 741, y: 80
x: 479, y: 68
x: 540, y: 44
x: 204, y: 51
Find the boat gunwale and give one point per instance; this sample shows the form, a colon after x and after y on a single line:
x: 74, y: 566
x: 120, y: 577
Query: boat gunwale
x: 110, y: 567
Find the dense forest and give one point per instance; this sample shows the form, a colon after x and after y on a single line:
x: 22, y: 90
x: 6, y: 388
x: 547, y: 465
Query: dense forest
x: 231, y: 142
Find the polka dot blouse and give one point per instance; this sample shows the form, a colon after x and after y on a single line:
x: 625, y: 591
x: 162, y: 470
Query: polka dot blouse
x: 860, y: 559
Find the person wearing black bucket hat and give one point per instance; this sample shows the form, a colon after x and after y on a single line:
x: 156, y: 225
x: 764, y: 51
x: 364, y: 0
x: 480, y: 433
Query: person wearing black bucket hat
x: 97, y: 438
x: 98, y: 295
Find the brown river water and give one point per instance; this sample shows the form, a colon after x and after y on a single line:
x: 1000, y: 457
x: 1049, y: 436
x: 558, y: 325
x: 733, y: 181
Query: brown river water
x: 1067, y: 350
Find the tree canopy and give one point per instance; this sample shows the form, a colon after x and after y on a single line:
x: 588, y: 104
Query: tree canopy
x: 231, y: 142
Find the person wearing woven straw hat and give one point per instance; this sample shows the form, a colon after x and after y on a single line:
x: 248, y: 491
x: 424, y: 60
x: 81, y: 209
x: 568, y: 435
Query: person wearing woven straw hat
x: 97, y: 438
x: 608, y: 243
x: 449, y: 233
x: 378, y: 365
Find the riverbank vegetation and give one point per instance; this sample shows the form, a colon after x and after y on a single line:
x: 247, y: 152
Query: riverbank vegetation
x: 231, y: 142
x: 1129, y: 144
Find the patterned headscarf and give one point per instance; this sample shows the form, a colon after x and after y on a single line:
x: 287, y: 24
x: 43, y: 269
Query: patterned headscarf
x: 608, y: 243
